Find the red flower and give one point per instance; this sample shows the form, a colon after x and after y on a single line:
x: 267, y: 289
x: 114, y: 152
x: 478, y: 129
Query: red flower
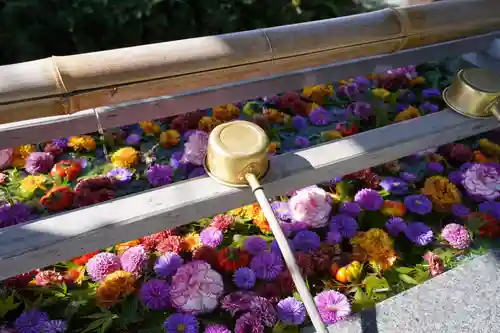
x: 347, y: 128
x: 230, y: 259
x: 490, y: 228
x: 21, y: 280
x: 92, y: 191
x: 57, y: 199
x: 150, y: 242
x: 206, y: 253
x: 83, y: 259
x: 170, y: 244
x: 66, y: 169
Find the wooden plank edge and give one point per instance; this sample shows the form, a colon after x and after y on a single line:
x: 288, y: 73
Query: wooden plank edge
x: 64, y: 236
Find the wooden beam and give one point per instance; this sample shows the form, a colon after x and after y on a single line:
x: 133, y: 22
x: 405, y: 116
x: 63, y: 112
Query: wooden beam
x: 64, y: 236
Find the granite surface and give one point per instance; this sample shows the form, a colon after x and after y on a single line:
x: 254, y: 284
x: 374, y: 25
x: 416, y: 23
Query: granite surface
x: 465, y: 299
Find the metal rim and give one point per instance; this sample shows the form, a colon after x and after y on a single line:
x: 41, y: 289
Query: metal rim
x: 211, y: 175
x: 456, y: 109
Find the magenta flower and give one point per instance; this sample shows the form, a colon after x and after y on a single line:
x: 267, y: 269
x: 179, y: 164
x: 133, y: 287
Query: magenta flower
x: 482, y: 181
x: 134, y: 259
x: 332, y: 306
x: 154, y: 294
x: 248, y: 323
x: 196, y: 288
x: 195, y: 148
x: 6, y: 157
x: 102, y: 264
x: 267, y: 265
x: 311, y: 205
x: 369, y: 199
x: 456, y: 235
x: 39, y: 162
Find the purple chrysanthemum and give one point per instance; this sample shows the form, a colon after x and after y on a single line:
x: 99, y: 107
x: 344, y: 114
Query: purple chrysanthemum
x: 159, y: 174
x: 419, y: 233
x: 302, y: 142
x: 482, y: 181
x: 319, y: 117
x: 350, y: 208
x: 196, y: 172
x: 102, y: 264
x: 133, y: 139
x: 395, y: 226
x: 154, y: 294
x: 333, y: 237
x: 435, y: 167
x: 361, y: 110
x: 216, y: 328
x: 490, y: 208
x: 39, y: 162
x: 248, y: 323
x: 134, y: 259
x: 55, y: 326
x: 211, y: 237
x: 299, y: 122
x: 31, y: 321
x: 369, y: 199
x: 408, y: 176
x: 181, y: 323
x: 255, y: 245
x: 460, y: 210
x: 456, y: 177
x: 418, y: 204
x: 244, y: 278
x: 121, y: 175
x: 267, y: 265
x: 306, y: 241
x: 394, y: 185
x: 239, y: 301
x: 264, y: 310
x: 332, y: 306
x: 168, y: 264
x: 291, y: 311
x: 456, y: 235
x: 61, y: 143
x: 12, y: 214
x: 346, y: 225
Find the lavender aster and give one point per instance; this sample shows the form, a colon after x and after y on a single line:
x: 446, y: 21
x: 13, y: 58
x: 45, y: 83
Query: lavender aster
x: 244, y: 278
x: 456, y: 235
x: 55, y: 326
x: 369, y: 199
x: 418, y: 204
x: 167, y: 264
x: 332, y: 306
x: 134, y: 259
x: 428, y: 107
x: 346, y: 225
x: 133, y: 139
x: 302, y: 142
x: 281, y: 210
x: 159, y: 174
x: 408, y: 176
x: 255, y: 245
x: 456, y: 177
x: 394, y: 185
x: 299, y: 122
x: 435, y: 167
x: 181, y: 323
x: 211, y: 237
x: 12, y: 214
x: 216, y: 328
x: 360, y: 109
x: 154, y: 294
x: 431, y: 93
x: 306, y: 241
x: 319, y: 117
x: 419, y: 233
x: 195, y: 148
x: 291, y: 311
x: 350, y: 208
x: 196, y: 172
x: 39, y: 162
x: 460, y: 210
x: 31, y: 321
x: 395, y: 225
x: 122, y: 175
x: 248, y: 323
x: 176, y: 160
x: 267, y: 265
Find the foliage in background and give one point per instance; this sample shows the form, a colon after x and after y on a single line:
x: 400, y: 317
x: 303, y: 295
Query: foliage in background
x: 33, y: 29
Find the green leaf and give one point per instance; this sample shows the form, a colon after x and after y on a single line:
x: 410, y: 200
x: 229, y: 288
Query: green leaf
x: 407, y: 279
x: 7, y: 305
x: 374, y: 284
x: 362, y: 301
x: 95, y: 324
x: 283, y: 328
x: 106, y: 325
x: 405, y: 270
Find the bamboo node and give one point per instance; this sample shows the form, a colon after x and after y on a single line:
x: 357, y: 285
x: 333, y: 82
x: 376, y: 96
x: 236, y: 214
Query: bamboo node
x: 405, y: 24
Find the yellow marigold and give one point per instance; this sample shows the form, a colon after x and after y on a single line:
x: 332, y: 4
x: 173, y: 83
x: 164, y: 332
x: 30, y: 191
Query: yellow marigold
x: 83, y: 142
x: 169, y: 138
x: 381, y: 93
x: 251, y: 211
x: 417, y: 81
x: 344, y: 82
x: 442, y: 193
x: 317, y: 93
x: 150, y: 127
x: 126, y: 157
x: 32, y: 183
x: 115, y: 286
x: 207, y: 124
x: 410, y: 113
x: 489, y: 147
x: 393, y: 208
x: 226, y: 112
x: 261, y: 222
x: 237, y: 212
x: 331, y: 135
x: 20, y: 155
x: 273, y: 146
x: 191, y: 242
x: 374, y: 246
x: 275, y: 116
x: 122, y: 247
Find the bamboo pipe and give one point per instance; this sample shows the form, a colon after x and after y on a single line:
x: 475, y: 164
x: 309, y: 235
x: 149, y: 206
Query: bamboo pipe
x: 64, y: 85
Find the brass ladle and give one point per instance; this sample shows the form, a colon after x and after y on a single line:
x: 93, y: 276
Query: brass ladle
x: 237, y: 157
x: 474, y: 93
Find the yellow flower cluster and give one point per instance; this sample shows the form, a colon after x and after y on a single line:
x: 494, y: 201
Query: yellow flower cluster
x: 442, y: 193
x: 169, y: 138
x: 374, y: 246
x: 410, y: 113
x: 20, y: 155
x: 275, y: 116
x: 381, y: 93
x: 32, y: 183
x: 122, y: 247
x: 253, y: 212
x: 226, y: 112
x: 150, y: 127
x: 489, y: 147
x: 115, y: 286
x: 207, y: 124
x: 84, y: 142
x: 126, y: 157
x: 191, y: 242
x: 318, y: 93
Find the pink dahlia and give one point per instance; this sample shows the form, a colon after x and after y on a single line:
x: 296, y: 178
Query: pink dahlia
x: 195, y: 148
x: 102, y: 264
x: 222, y: 222
x: 456, y: 235
x: 150, y: 242
x: 48, y: 277
x: 311, y: 205
x: 196, y: 288
x: 134, y: 259
x: 170, y: 244
x: 332, y: 306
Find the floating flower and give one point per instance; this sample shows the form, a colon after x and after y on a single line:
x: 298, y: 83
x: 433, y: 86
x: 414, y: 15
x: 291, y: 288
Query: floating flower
x: 418, y: 204
x: 394, y: 185
x: 121, y: 175
x: 291, y: 311
x: 38, y: 162
x: 255, y: 245
x: 419, y: 233
x: 55, y: 326
x: 319, y: 117
x: 393, y: 208
x: 360, y: 109
x: 133, y: 139
x: 84, y: 142
x: 369, y: 199
x: 349, y: 208
x: 436, y: 264
x: 150, y: 242
x: 230, y: 259
x: 102, y: 264
x: 460, y: 210
x: 126, y: 157
x: 482, y: 181
x: 349, y: 90
x: 267, y: 265
x: 92, y: 191
x: 306, y: 241
x: 155, y: 294
x: 435, y: 167
x: 69, y: 170
x: 244, y: 278
x: 12, y: 214
x: 82, y: 260
x: 226, y: 112
x: 332, y: 306
x: 167, y: 264
x: 196, y: 288
x: 191, y: 242
x: 395, y: 226
x: 222, y: 222
x: 410, y: 113
x: 20, y: 155
x: 149, y: 127
x: 48, y: 277
x: 491, y: 208
x: 134, y: 260
x: 170, y: 244
x: 330, y: 135
x: 32, y: 183
x: 169, y: 138
x: 456, y: 235
x: 375, y: 246
x: 31, y: 321
x: 216, y: 328
x: 211, y: 237
x: 207, y: 124
x: 299, y: 122
x: 334, y: 237
x: 159, y: 174
x: 195, y: 148
x: 343, y: 224
x: 115, y: 287
x: 248, y: 323
x: 318, y: 93
x: 311, y: 205
x: 302, y: 142
x: 6, y: 158
x: 442, y: 193
x: 57, y: 199
x: 181, y: 323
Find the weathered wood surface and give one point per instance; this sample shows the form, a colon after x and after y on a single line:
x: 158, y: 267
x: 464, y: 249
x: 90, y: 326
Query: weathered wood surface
x: 71, y: 234
x: 36, y: 130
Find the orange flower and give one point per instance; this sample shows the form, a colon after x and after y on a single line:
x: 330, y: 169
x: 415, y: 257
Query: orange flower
x: 207, y: 124
x: 226, y: 112
x: 393, y: 208
x: 122, y: 247
x: 273, y: 147
x: 83, y: 259
x: 275, y: 116
x: 479, y: 157
x: 169, y: 138
x: 191, y: 242
x: 115, y: 286
x: 417, y: 81
x: 442, y: 193
x: 410, y: 113
x: 75, y: 275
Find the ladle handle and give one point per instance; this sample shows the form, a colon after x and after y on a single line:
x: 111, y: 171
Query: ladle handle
x: 288, y: 255
x: 495, y: 110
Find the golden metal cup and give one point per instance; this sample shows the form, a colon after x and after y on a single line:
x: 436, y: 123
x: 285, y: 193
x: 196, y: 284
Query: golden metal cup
x: 475, y: 93
x: 235, y: 149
